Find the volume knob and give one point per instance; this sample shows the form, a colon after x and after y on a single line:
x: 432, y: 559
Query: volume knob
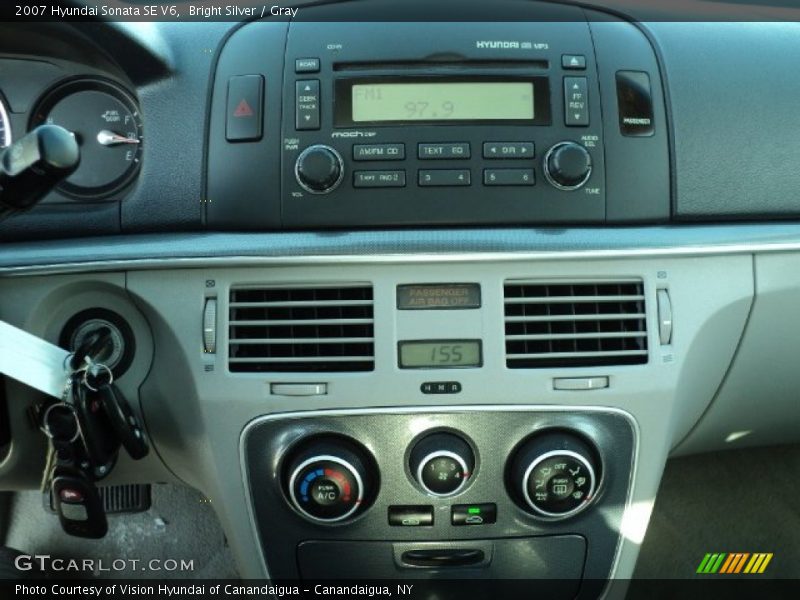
x: 319, y: 169
x: 567, y: 165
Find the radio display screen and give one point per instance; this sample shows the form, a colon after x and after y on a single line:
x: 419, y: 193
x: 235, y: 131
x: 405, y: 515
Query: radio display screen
x: 481, y: 99
x: 462, y: 101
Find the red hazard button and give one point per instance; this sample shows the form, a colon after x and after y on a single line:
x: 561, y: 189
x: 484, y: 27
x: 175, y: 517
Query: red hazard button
x: 244, y: 106
x: 243, y: 109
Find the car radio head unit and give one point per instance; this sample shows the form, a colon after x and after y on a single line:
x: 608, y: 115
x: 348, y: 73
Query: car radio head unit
x: 429, y: 123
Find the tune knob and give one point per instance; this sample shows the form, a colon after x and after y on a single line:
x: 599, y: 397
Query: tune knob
x: 554, y: 474
x: 442, y: 463
x: 567, y: 165
x: 330, y: 479
x: 319, y: 169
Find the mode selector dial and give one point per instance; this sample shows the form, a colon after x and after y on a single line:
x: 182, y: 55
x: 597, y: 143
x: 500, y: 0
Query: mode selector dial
x: 554, y: 474
x: 319, y: 169
x: 329, y: 479
x: 567, y: 165
x: 442, y: 463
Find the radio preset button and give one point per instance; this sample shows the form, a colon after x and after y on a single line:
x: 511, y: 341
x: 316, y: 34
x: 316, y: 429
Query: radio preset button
x: 573, y: 62
x: 306, y: 65
x: 307, y: 104
x: 443, y: 151
x: 509, y: 177
x: 379, y: 151
x: 444, y: 177
x: 576, y: 101
x: 508, y: 150
x: 377, y: 179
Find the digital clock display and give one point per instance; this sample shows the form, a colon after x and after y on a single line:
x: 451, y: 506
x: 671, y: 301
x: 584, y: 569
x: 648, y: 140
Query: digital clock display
x: 440, y: 354
x: 443, y: 101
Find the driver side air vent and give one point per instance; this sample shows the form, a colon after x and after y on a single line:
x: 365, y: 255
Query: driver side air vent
x: 320, y: 328
x: 574, y: 324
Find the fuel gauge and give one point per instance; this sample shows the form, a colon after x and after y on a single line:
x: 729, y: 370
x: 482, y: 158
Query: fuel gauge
x: 106, y: 122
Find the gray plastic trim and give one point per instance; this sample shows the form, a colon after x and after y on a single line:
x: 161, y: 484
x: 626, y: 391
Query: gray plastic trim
x: 126, y: 253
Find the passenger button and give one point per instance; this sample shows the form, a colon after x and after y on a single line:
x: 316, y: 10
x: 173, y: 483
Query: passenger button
x: 377, y: 179
x: 410, y: 516
x: 576, y: 101
x: 244, y: 117
x: 444, y: 177
x: 473, y: 514
x: 306, y: 65
x: 635, y: 104
x: 508, y: 177
x: 506, y: 150
x: 443, y: 151
x: 379, y: 152
x: 307, y: 104
x: 574, y: 62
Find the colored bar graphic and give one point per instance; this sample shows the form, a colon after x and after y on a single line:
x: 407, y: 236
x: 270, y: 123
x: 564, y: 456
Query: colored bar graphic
x: 734, y: 563
x: 729, y: 563
x: 764, y: 564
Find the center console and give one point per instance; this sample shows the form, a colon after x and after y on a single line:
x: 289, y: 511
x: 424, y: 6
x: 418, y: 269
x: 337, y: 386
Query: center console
x: 478, y: 492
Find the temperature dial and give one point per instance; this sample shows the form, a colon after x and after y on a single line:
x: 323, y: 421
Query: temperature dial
x: 319, y: 169
x: 554, y: 474
x: 442, y: 463
x: 329, y: 480
x: 567, y: 165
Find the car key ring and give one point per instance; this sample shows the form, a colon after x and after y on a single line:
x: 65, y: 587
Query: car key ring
x: 99, y: 374
x: 60, y: 431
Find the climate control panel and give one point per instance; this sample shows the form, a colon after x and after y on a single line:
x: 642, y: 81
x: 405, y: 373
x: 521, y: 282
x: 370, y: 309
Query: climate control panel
x: 470, y: 478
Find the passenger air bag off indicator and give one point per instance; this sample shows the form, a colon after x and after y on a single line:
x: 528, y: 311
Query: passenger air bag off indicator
x: 244, y: 121
x: 635, y: 104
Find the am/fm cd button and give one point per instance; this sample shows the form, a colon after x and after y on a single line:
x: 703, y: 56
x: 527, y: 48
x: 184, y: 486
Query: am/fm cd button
x: 379, y: 152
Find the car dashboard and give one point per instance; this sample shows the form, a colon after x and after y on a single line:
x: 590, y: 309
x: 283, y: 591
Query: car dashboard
x: 415, y: 297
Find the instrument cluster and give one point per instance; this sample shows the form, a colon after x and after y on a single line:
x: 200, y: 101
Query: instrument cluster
x: 106, y: 122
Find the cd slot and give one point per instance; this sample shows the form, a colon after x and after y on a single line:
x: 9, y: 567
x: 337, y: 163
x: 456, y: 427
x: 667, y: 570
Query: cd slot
x: 448, y: 62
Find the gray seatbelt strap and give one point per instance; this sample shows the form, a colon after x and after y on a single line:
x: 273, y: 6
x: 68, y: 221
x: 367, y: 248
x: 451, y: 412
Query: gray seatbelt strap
x: 32, y: 360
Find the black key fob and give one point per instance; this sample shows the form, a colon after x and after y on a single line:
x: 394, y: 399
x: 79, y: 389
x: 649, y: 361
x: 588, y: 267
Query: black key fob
x: 124, y: 422
x: 78, y: 504
x: 97, y: 431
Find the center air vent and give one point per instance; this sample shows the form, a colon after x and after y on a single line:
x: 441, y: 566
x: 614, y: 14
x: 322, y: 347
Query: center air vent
x: 574, y: 324
x: 301, y: 329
